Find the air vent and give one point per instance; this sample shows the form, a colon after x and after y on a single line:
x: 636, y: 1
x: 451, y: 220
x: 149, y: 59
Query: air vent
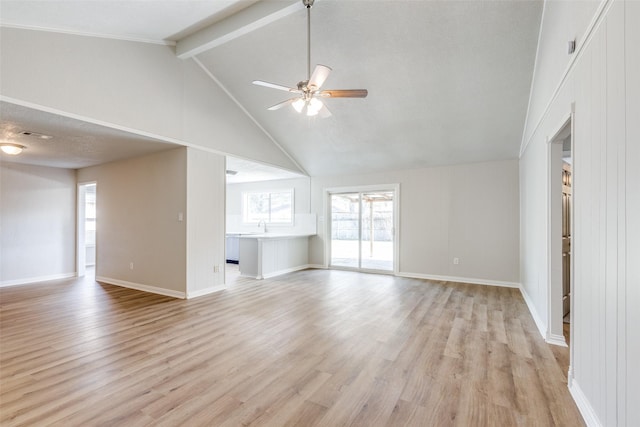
x: 31, y: 134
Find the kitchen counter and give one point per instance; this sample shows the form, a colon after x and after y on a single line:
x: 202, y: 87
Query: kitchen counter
x: 267, y: 255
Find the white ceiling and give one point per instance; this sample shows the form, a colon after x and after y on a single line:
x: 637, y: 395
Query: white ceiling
x: 448, y: 81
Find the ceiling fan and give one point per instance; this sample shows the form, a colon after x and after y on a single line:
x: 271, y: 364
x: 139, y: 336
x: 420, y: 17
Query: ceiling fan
x: 310, y: 96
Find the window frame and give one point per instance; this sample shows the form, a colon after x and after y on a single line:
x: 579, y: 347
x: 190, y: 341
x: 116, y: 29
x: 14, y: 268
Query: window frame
x: 269, y: 193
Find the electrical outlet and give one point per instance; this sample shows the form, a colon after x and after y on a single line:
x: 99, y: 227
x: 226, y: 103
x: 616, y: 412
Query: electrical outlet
x: 216, y: 269
x: 130, y: 266
x: 456, y: 261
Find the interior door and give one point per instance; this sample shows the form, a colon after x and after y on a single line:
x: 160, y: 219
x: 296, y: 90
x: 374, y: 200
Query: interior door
x: 566, y: 239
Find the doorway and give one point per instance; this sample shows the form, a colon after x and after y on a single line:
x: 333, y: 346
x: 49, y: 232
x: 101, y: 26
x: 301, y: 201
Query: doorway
x: 362, y: 228
x: 86, y: 245
x: 560, y: 235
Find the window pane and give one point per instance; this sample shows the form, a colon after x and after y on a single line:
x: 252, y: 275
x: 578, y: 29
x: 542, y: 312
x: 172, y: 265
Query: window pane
x: 281, y: 207
x: 257, y: 207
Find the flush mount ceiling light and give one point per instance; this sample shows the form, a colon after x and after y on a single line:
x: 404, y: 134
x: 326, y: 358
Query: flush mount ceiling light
x: 12, y: 149
x: 308, y: 91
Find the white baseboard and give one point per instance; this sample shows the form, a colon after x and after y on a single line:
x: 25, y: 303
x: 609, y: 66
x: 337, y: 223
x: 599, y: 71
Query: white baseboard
x: 542, y: 327
x: 460, y: 279
x: 317, y: 266
x: 285, y: 271
x: 585, y: 408
x: 206, y: 291
x: 141, y: 287
x: 558, y: 340
x: 30, y: 280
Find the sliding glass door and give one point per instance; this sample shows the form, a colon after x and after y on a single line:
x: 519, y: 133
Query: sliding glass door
x: 362, y: 230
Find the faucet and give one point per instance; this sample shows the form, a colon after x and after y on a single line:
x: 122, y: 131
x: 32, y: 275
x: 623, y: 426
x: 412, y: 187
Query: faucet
x: 264, y: 225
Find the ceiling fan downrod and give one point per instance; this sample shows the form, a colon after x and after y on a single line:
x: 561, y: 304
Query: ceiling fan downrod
x: 308, y: 91
x: 308, y: 4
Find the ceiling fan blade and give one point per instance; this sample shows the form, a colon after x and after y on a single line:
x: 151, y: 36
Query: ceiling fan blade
x: 320, y: 74
x: 344, y: 93
x: 275, y: 86
x: 279, y: 105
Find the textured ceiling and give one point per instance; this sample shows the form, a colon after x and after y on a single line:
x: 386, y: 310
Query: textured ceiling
x: 74, y: 144
x: 448, y: 81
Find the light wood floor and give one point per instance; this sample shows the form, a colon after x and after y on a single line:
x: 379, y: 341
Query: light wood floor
x: 316, y: 347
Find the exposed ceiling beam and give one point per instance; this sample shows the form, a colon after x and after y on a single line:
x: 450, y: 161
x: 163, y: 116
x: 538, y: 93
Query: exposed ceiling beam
x: 253, y: 17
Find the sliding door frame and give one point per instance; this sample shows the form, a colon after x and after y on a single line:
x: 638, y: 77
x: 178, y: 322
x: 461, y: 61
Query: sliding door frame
x: 396, y: 224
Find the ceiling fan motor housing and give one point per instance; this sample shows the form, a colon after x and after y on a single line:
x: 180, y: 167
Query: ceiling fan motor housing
x: 308, y: 3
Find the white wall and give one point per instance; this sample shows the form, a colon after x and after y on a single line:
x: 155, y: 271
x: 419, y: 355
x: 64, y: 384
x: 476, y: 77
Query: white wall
x: 205, y: 255
x: 138, y: 205
x: 139, y: 87
x: 37, y: 223
x: 562, y: 21
x: 604, y: 85
x: 466, y: 211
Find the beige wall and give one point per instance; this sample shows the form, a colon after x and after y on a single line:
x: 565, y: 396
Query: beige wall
x: 37, y: 223
x: 466, y: 211
x: 138, y: 204
x: 205, y: 254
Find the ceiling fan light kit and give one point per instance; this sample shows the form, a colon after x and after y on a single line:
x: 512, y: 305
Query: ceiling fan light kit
x: 308, y: 91
x: 11, y: 149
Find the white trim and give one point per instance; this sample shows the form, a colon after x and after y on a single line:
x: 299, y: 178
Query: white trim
x: 141, y: 287
x: 160, y: 138
x: 46, y: 109
x: 598, y: 18
x: 542, y: 328
x: 327, y: 192
x: 554, y: 222
x: 89, y: 34
x: 205, y: 291
x: 457, y: 279
x: 558, y: 340
x: 81, y: 247
x: 585, y: 408
x: 38, y: 279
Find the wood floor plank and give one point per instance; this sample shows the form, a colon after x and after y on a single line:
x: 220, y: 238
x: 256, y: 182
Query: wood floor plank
x: 311, y: 348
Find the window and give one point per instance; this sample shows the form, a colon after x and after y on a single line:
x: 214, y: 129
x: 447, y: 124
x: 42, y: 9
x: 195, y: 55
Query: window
x: 272, y: 207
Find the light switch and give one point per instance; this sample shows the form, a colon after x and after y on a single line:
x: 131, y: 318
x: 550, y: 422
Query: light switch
x: 180, y: 216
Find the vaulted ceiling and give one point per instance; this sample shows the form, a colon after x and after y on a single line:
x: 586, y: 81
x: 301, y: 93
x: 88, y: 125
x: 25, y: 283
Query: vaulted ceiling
x: 448, y: 81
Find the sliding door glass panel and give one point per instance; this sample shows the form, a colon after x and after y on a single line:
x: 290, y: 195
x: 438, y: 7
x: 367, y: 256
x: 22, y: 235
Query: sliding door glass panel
x: 345, y: 230
x: 376, y: 244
